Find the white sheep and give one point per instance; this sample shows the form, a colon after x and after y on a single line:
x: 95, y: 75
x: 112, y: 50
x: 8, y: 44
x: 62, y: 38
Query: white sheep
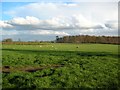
x: 40, y: 46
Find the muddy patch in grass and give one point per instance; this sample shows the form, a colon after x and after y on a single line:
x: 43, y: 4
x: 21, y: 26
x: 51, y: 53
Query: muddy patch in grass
x: 8, y: 69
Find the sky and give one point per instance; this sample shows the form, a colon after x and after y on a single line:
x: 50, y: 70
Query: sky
x: 46, y: 19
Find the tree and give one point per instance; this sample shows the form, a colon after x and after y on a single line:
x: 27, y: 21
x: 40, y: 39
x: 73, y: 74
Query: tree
x: 57, y: 38
x: 7, y: 40
x: 88, y: 39
x: 19, y: 40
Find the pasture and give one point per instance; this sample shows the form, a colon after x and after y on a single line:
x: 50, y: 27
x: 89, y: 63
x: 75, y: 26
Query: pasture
x: 58, y: 65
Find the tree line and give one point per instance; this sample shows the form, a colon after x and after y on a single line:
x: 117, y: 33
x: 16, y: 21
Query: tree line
x: 88, y: 39
x: 70, y: 39
x: 19, y: 42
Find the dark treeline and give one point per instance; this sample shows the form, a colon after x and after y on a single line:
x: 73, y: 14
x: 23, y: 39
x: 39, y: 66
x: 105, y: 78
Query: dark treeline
x: 88, y: 39
x: 69, y: 39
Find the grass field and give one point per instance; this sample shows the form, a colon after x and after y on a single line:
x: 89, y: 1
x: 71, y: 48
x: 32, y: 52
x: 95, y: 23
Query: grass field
x: 56, y: 65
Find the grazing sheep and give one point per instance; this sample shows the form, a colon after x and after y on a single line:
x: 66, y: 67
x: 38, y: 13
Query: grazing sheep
x: 40, y: 46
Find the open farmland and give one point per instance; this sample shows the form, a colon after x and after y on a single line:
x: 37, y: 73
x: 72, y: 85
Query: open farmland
x: 57, y: 65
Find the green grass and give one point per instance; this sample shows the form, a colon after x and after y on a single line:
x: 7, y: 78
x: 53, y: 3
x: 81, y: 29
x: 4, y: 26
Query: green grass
x: 67, y: 47
x: 88, y: 66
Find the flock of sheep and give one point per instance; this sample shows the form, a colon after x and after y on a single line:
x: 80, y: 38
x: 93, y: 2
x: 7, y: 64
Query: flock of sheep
x: 52, y: 47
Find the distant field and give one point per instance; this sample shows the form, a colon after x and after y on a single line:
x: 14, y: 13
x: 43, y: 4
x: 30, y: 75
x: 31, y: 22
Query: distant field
x: 66, y: 47
x: 57, y: 65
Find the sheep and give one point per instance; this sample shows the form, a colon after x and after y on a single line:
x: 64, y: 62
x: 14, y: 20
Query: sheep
x: 52, y: 46
x: 40, y: 46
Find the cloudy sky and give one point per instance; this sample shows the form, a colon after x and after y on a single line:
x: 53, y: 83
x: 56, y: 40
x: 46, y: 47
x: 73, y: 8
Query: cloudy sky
x: 46, y: 19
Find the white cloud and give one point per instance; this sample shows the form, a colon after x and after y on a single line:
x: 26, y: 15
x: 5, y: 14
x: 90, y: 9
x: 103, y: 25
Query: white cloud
x: 25, y: 21
x: 31, y: 32
x: 112, y: 24
x: 62, y: 18
x: 4, y: 24
x: 95, y: 0
x: 83, y: 23
x: 46, y: 32
x: 95, y: 11
x: 56, y: 23
x: 60, y: 1
x: 40, y: 10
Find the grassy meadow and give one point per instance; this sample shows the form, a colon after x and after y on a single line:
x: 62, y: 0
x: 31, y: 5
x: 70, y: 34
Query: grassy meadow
x: 60, y: 65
